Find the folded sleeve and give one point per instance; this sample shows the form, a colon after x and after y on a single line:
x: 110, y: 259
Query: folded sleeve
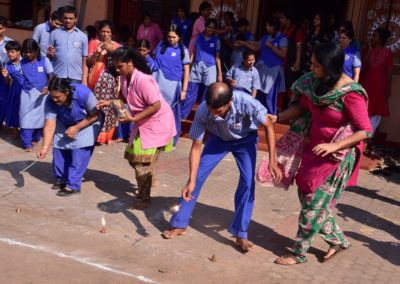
x: 356, y: 107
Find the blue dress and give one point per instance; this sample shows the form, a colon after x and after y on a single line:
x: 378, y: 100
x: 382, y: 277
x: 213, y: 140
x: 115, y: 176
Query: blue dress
x: 4, y: 87
x: 14, y: 95
x: 168, y: 71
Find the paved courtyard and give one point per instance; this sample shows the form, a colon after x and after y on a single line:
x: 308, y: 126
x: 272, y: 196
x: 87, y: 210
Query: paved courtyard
x: 45, y: 238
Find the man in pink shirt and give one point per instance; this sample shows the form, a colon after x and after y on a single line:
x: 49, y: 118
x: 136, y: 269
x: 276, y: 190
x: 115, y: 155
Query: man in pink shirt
x: 200, y: 24
x: 150, y: 31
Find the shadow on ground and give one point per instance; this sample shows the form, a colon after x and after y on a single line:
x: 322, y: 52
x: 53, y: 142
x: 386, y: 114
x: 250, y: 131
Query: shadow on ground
x: 373, y: 194
x: 206, y: 219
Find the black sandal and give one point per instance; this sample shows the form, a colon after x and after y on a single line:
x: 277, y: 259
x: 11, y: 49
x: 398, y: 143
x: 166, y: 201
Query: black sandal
x: 59, y: 185
x: 67, y: 192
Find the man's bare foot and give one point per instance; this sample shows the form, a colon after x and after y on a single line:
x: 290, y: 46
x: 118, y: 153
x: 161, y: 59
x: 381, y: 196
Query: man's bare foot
x: 141, y: 204
x: 174, y: 232
x: 244, y: 244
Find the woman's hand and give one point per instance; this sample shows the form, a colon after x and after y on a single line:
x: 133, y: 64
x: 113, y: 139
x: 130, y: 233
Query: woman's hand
x: 325, y: 149
x: 275, y: 171
x: 103, y: 104
x: 41, y: 154
x: 127, y: 118
x: 219, y: 78
x: 45, y: 91
x: 4, y: 72
x: 71, y: 132
x: 272, y: 118
x: 183, y: 95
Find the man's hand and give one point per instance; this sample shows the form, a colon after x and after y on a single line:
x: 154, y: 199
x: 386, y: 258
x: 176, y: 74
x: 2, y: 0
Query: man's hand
x: 233, y: 83
x: 187, y: 192
x: 41, y: 154
x: 71, y: 132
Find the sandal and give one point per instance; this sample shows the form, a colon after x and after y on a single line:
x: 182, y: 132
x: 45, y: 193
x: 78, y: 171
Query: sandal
x: 337, y: 250
x: 283, y: 260
x: 174, y: 232
x: 67, y: 192
x: 59, y: 185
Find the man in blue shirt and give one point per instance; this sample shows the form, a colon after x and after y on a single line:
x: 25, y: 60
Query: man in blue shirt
x: 232, y: 122
x: 41, y: 33
x: 69, y: 49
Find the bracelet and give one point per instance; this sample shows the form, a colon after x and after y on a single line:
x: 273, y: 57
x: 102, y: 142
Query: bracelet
x: 184, y: 91
x: 45, y: 147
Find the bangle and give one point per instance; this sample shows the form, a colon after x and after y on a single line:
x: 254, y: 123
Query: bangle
x: 184, y: 91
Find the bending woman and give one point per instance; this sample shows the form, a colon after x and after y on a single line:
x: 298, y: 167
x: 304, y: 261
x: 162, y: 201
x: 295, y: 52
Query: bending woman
x: 72, y: 119
x: 154, y: 126
x: 335, y: 108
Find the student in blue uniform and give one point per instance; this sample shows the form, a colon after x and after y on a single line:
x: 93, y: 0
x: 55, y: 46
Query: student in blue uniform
x: 183, y: 23
x: 273, y: 49
x: 144, y: 49
x: 352, y: 57
x: 244, y: 79
x: 206, y: 66
x: 37, y: 71
x: 42, y: 32
x: 232, y: 122
x: 13, y: 75
x: 240, y: 40
x: 74, y: 121
x: 4, y: 87
x: 171, y: 71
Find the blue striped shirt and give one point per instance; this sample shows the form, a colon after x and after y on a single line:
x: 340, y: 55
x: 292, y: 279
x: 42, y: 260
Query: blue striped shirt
x: 242, y: 119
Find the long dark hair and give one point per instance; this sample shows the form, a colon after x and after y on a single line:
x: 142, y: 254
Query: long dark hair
x: 32, y: 45
x: 125, y: 55
x: 62, y: 85
x: 165, y: 44
x: 331, y: 57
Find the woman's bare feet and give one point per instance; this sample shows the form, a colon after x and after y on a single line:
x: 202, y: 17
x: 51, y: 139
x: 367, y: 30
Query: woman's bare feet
x: 288, y: 259
x: 244, y: 244
x: 28, y: 150
x: 174, y: 232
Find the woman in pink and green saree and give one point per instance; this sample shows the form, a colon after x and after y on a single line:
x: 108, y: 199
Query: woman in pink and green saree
x: 322, y: 149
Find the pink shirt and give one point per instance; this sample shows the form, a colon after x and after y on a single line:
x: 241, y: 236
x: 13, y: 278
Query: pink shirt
x: 198, y: 27
x: 153, y: 34
x: 143, y: 91
x: 314, y: 170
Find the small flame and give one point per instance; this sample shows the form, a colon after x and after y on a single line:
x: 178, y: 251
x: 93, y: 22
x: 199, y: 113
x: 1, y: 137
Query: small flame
x: 175, y: 208
x: 103, y: 221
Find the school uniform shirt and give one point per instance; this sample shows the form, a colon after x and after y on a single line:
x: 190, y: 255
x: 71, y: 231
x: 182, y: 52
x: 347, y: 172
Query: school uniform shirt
x: 236, y: 57
x: 31, y: 108
x: 246, y: 80
x: 270, y: 65
x: 243, y: 119
x: 41, y: 34
x: 140, y: 92
x: 70, y: 48
x: 185, y: 28
x: 83, y: 104
x: 168, y: 71
x: 14, y: 95
x: 3, y: 51
x: 352, y: 59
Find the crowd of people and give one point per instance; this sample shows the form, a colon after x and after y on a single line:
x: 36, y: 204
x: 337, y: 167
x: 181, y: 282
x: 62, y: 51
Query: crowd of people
x: 73, y: 91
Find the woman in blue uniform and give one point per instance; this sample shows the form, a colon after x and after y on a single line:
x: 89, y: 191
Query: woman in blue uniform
x: 244, y: 79
x: 273, y: 49
x: 37, y: 71
x: 171, y: 71
x: 74, y: 121
x: 206, y: 68
x: 184, y: 24
x: 352, y: 58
